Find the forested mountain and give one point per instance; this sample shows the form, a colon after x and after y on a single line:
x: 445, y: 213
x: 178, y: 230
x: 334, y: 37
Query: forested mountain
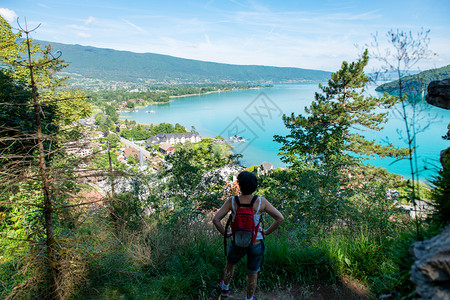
x: 109, y: 64
x: 417, y: 82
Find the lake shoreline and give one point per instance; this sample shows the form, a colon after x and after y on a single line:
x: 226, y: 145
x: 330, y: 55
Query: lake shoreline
x: 172, y: 98
x: 243, y: 111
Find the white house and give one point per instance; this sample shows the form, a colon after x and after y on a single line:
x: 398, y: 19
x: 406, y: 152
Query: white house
x: 175, y: 138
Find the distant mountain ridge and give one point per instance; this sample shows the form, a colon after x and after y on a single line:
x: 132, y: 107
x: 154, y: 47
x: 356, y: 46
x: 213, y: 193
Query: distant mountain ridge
x: 114, y: 65
x: 416, y: 83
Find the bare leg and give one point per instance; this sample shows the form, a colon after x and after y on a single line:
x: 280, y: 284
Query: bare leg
x: 228, y: 273
x: 252, y: 279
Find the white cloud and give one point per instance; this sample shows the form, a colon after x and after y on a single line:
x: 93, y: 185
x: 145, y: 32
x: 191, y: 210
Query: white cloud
x: 78, y: 27
x: 8, y: 14
x: 90, y: 20
x: 83, y: 35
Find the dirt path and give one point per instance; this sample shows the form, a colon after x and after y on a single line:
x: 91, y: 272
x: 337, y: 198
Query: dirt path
x: 342, y: 291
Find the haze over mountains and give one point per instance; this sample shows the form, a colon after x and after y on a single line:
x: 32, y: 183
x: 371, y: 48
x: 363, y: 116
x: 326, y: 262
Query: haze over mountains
x: 114, y: 65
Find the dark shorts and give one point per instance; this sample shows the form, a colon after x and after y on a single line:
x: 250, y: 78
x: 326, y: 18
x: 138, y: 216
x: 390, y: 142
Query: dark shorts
x: 254, y: 254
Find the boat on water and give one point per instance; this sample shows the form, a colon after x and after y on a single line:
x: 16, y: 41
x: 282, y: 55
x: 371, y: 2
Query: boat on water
x: 237, y: 139
x: 150, y: 111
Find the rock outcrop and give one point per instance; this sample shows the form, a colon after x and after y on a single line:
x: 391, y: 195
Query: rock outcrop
x: 438, y: 93
x: 431, y: 270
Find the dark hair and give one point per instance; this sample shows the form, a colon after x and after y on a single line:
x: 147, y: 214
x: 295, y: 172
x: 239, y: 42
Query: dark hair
x: 248, y: 183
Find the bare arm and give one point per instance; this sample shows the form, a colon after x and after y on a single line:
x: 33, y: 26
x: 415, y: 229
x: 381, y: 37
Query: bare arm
x: 275, y: 214
x: 221, y: 213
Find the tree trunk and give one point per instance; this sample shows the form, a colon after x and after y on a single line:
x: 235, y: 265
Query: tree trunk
x: 51, y: 260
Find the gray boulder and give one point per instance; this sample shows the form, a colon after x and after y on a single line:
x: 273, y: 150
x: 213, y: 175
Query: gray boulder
x: 438, y: 93
x: 431, y: 269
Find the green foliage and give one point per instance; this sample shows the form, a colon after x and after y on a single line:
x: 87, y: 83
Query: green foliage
x: 325, y: 139
x: 98, y: 119
x: 105, y: 122
x: 9, y: 47
x: 101, y: 162
x: 155, y: 241
x: 253, y: 169
x: 72, y: 108
x: 158, y: 261
x: 142, y: 132
x: 291, y: 260
x: 113, y: 140
x: 17, y: 119
x: 313, y: 204
x: 213, y: 155
x: 130, y: 104
x: 128, y: 211
x: 137, y: 133
x: 188, y: 187
x: 174, y: 252
x: 398, y: 278
x: 22, y: 222
x: 441, y: 195
x: 166, y: 128
x: 111, y: 112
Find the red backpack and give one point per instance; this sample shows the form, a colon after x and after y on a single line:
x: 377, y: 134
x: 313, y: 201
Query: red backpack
x: 243, y: 226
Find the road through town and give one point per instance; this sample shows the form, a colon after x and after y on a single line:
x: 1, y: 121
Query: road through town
x: 130, y: 144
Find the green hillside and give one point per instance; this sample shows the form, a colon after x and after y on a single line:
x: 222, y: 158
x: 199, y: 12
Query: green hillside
x: 108, y: 64
x: 416, y: 83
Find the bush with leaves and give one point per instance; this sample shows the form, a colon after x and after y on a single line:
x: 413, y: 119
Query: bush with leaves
x: 441, y: 196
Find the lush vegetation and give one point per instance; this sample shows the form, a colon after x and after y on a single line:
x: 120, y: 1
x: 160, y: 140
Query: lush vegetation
x: 108, y: 64
x: 143, y: 132
x: 326, y: 139
x: 37, y: 177
x: 150, y: 236
x: 133, y: 130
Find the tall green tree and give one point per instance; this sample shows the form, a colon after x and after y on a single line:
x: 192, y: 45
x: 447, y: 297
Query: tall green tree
x: 112, y: 113
x: 327, y: 137
x: 191, y: 185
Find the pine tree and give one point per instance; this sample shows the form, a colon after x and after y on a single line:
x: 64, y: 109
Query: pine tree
x: 326, y: 137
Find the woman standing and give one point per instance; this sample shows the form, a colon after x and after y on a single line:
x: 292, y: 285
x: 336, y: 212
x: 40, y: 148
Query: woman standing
x: 248, y: 184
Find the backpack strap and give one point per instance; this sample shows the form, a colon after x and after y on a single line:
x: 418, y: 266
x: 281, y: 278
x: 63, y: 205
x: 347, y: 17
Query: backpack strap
x: 260, y: 216
x: 259, y: 205
x: 255, y: 197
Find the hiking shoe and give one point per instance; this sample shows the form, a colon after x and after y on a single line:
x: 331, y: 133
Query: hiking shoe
x: 223, y: 292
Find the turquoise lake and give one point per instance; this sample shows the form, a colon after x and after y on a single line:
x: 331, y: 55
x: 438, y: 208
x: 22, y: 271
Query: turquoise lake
x: 256, y: 115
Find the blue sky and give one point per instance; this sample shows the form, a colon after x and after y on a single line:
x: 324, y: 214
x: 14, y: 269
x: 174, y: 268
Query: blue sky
x: 307, y: 34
